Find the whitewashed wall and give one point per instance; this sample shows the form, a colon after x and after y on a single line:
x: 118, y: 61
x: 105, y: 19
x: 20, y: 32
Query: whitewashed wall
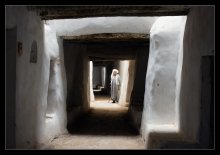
x: 92, y: 97
x: 124, y: 75
x: 57, y: 88
x: 84, y: 26
x: 32, y: 80
x: 166, y: 37
x: 199, y: 40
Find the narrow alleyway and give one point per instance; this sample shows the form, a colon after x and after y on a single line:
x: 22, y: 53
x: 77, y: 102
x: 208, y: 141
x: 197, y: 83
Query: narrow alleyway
x: 105, y: 127
x: 59, y: 77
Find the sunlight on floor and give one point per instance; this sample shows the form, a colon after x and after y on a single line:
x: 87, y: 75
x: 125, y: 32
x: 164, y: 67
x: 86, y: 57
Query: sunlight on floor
x: 103, y: 102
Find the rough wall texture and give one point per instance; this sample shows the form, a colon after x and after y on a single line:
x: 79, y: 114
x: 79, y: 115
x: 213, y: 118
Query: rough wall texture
x: 159, y: 101
x: 198, y: 41
x: 160, y: 79
x: 195, y: 82
x: 56, y: 97
x: 29, y: 76
x: 60, y: 12
x: 83, y: 26
x: 32, y: 81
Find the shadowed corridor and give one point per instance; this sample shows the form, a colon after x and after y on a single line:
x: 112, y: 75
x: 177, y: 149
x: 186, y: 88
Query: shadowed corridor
x: 106, y: 126
x: 56, y: 72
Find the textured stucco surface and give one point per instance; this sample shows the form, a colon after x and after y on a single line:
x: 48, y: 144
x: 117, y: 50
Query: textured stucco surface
x: 32, y: 80
x: 75, y: 27
x: 198, y: 42
x: 159, y: 101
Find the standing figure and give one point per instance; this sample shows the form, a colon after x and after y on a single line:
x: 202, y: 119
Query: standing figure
x: 115, y: 85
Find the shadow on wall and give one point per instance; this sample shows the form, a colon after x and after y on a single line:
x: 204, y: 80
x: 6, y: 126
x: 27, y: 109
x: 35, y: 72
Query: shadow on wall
x: 30, y: 76
x: 11, y: 35
x: 196, y: 110
x: 77, y: 72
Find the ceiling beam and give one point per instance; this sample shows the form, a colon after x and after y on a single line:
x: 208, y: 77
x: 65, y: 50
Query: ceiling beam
x: 67, y: 12
x: 102, y: 63
x: 112, y: 54
x: 108, y: 37
x: 107, y: 59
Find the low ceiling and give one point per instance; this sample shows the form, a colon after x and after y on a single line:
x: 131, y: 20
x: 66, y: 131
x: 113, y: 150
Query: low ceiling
x: 112, y: 51
x: 105, y: 47
x: 109, y: 47
x: 109, y: 37
x: 67, y: 12
x: 102, y: 63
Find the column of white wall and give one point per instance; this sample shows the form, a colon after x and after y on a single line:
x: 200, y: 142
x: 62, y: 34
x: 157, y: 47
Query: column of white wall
x: 92, y: 97
x: 160, y: 109
x: 103, y: 75
x: 123, y: 72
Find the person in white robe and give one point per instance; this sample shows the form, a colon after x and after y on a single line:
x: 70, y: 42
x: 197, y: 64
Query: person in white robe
x: 115, y: 85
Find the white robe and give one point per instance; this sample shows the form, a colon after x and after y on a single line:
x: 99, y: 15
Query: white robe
x: 115, y: 86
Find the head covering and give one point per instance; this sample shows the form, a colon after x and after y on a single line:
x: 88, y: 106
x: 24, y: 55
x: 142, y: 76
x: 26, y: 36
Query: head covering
x: 115, y: 70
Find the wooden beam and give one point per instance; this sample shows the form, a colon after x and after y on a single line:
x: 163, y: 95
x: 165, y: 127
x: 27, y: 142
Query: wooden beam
x: 114, y: 52
x: 66, y: 12
x: 92, y: 58
x: 107, y: 37
x: 102, y: 55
